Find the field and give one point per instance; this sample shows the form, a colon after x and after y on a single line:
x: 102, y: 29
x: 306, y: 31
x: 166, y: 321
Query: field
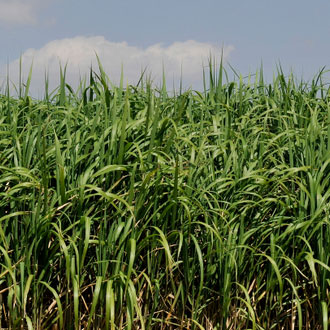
x: 127, y: 207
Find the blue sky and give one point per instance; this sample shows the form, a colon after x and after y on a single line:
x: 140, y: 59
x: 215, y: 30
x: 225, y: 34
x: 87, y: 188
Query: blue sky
x: 153, y: 32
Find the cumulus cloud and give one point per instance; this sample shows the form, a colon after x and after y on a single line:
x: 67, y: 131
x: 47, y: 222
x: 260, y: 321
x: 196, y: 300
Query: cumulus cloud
x: 80, y: 53
x: 20, y: 12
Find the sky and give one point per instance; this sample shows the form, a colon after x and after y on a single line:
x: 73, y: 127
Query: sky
x: 175, y: 35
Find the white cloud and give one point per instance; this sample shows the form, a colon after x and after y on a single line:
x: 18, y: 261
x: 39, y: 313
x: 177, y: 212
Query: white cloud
x: 79, y: 53
x: 20, y: 12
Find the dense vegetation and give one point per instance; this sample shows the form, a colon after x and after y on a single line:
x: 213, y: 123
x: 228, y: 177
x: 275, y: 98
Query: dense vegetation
x: 129, y: 208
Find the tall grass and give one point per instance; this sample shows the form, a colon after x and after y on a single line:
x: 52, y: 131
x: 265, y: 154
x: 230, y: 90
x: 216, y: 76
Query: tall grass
x: 127, y: 208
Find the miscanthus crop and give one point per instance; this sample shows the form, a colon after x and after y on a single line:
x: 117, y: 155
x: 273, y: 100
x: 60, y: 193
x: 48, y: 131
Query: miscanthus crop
x: 130, y: 208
